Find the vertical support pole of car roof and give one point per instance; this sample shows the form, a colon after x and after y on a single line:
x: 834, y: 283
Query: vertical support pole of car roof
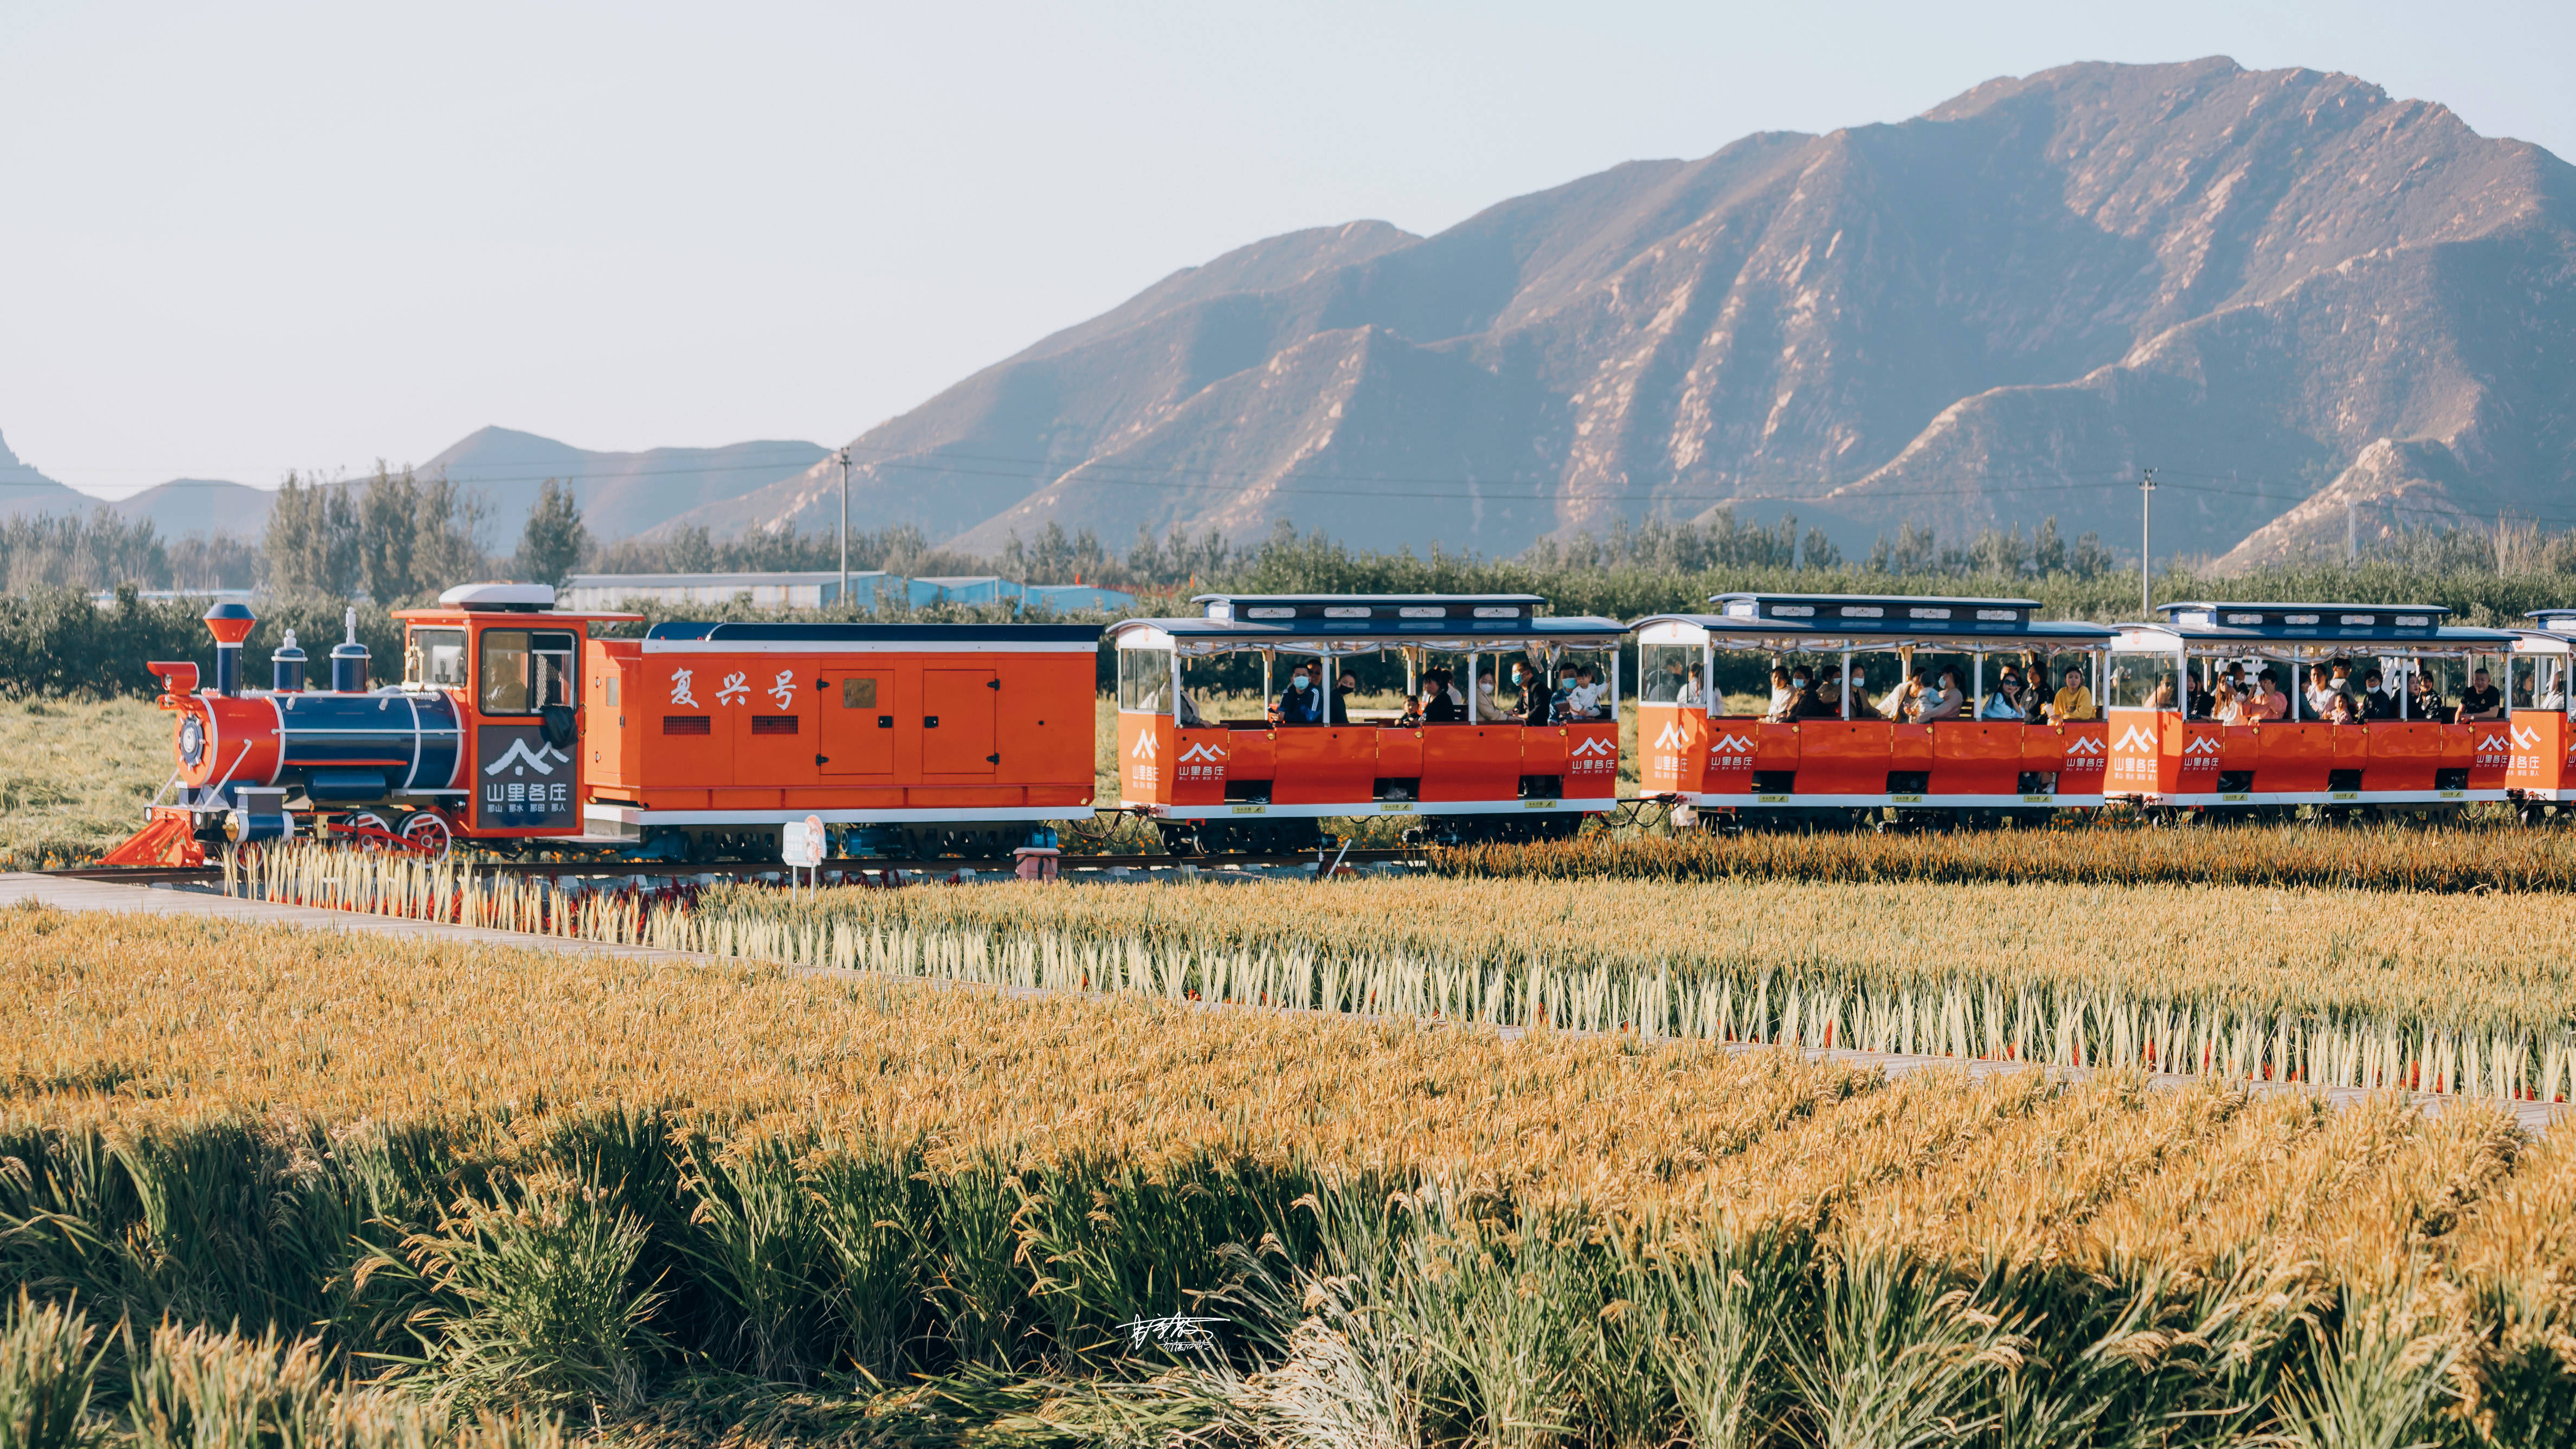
x: 1176, y: 684
x: 2298, y: 689
x: 1708, y: 674
x: 2405, y: 686
x: 1614, y: 686
x: 1977, y: 683
x: 1846, y: 691
x: 1332, y: 669
x: 1471, y: 688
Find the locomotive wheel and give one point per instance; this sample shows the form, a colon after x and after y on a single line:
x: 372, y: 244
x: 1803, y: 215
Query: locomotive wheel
x: 428, y: 832
x: 367, y: 830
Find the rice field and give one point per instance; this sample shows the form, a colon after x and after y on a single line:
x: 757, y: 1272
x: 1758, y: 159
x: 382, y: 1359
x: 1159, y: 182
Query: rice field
x: 2449, y: 994
x: 432, y: 1193
x: 2491, y: 856
x: 74, y: 776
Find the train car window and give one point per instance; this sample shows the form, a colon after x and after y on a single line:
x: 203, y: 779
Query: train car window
x: 2145, y: 681
x: 1144, y: 680
x: 523, y: 672
x: 1664, y: 673
x: 435, y: 658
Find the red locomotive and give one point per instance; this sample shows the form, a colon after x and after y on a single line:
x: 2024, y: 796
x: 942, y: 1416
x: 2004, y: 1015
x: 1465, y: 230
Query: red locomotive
x: 512, y: 726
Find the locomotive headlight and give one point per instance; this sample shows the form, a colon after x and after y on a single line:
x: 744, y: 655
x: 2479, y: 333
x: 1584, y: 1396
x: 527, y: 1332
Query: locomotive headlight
x: 192, y: 739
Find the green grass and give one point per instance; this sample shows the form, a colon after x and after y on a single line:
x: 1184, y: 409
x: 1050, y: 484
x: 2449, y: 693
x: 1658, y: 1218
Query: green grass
x: 74, y: 776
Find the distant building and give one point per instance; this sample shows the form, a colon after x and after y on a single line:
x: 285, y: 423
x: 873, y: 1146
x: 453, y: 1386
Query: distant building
x: 964, y: 589
x: 871, y: 590
x: 761, y: 590
x: 1075, y: 598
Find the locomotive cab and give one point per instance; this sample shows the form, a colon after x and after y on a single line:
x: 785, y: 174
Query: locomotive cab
x: 509, y: 665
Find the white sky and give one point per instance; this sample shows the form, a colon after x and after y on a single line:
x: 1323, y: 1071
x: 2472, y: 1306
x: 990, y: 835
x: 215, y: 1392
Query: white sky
x: 248, y: 237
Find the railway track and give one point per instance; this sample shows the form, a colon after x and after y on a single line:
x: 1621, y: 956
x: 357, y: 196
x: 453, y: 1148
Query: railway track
x: 846, y: 869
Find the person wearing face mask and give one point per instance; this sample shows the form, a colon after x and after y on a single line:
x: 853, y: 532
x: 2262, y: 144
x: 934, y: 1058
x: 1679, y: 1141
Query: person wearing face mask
x: 1301, y: 703
x: 1532, y: 688
x: 1345, y: 685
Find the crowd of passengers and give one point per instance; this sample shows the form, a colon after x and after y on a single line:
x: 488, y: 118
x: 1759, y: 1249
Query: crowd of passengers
x: 2333, y: 694
x: 1926, y: 695
x: 1579, y: 692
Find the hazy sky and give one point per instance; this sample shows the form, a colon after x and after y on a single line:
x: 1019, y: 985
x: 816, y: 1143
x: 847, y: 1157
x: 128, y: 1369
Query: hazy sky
x: 248, y: 237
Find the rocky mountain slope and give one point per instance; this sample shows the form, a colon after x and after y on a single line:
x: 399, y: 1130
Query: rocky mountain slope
x: 2268, y: 285
x: 24, y: 490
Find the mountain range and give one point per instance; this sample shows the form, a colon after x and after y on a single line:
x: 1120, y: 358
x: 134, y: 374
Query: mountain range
x: 621, y: 494
x: 2315, y: 311
x: 2284, y: 290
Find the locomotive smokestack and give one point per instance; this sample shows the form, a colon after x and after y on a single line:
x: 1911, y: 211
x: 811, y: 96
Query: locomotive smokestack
x: 230, y: 624
x: 286, y: 667
x: 349, y: 660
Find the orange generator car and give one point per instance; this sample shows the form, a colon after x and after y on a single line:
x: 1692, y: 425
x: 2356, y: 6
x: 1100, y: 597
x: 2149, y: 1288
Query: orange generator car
x: 925, y: 738
x: 511, y: 726
x: 1404, y: 715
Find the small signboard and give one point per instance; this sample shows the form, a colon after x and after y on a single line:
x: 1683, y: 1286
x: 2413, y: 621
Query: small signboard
x: 801, y: 843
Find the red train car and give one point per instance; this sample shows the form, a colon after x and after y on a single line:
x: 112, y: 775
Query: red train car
x: 938, y: 736
x: 511, y: 726
x: 1843, y: 758
x: 1265, y: 780
x: 2426, y: 723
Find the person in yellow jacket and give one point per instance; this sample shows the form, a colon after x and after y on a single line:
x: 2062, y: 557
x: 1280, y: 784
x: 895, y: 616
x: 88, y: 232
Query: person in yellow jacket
x: 2074, y: 702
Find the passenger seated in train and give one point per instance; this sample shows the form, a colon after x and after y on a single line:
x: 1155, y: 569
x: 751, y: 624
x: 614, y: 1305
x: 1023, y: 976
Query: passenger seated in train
x: 1944, y: 701
x: 2005, y: 704
x: 2164, y: 697
x: 1561, y: 699
x: 1665, y: 685
x: 2522, y: 691
x: 2269, y: 702
x: 2423, y: 701
x: 1589, y: 687
x: 1829, y: 696
x: 1345, y: 687
x: 2197, y: 703
x: 1441, y: 703
x: 1694, y: 689
x: 2073, y: 702
x: 2480, y: 701
x: 2226, y: 706
x: 2340, y: 709
x: 2325, y: 681
x: 1302, y: 702
x: 2554, y: 695
x: 1190, y: 716
x: 1531, y: 684
x: 1784, y: 696
x: 2376, y: 702
x: 1902, y: 702
x: 1814, y: 702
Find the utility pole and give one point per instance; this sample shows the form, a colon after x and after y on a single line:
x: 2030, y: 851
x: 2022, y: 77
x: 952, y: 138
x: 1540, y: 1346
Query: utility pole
x: 2351, y: 536
x: 843, y: 458
x: 2146, y: 595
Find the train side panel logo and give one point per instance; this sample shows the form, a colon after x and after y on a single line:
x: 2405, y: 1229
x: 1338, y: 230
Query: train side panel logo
x: 1592, y: 756
x: 524, y: 783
